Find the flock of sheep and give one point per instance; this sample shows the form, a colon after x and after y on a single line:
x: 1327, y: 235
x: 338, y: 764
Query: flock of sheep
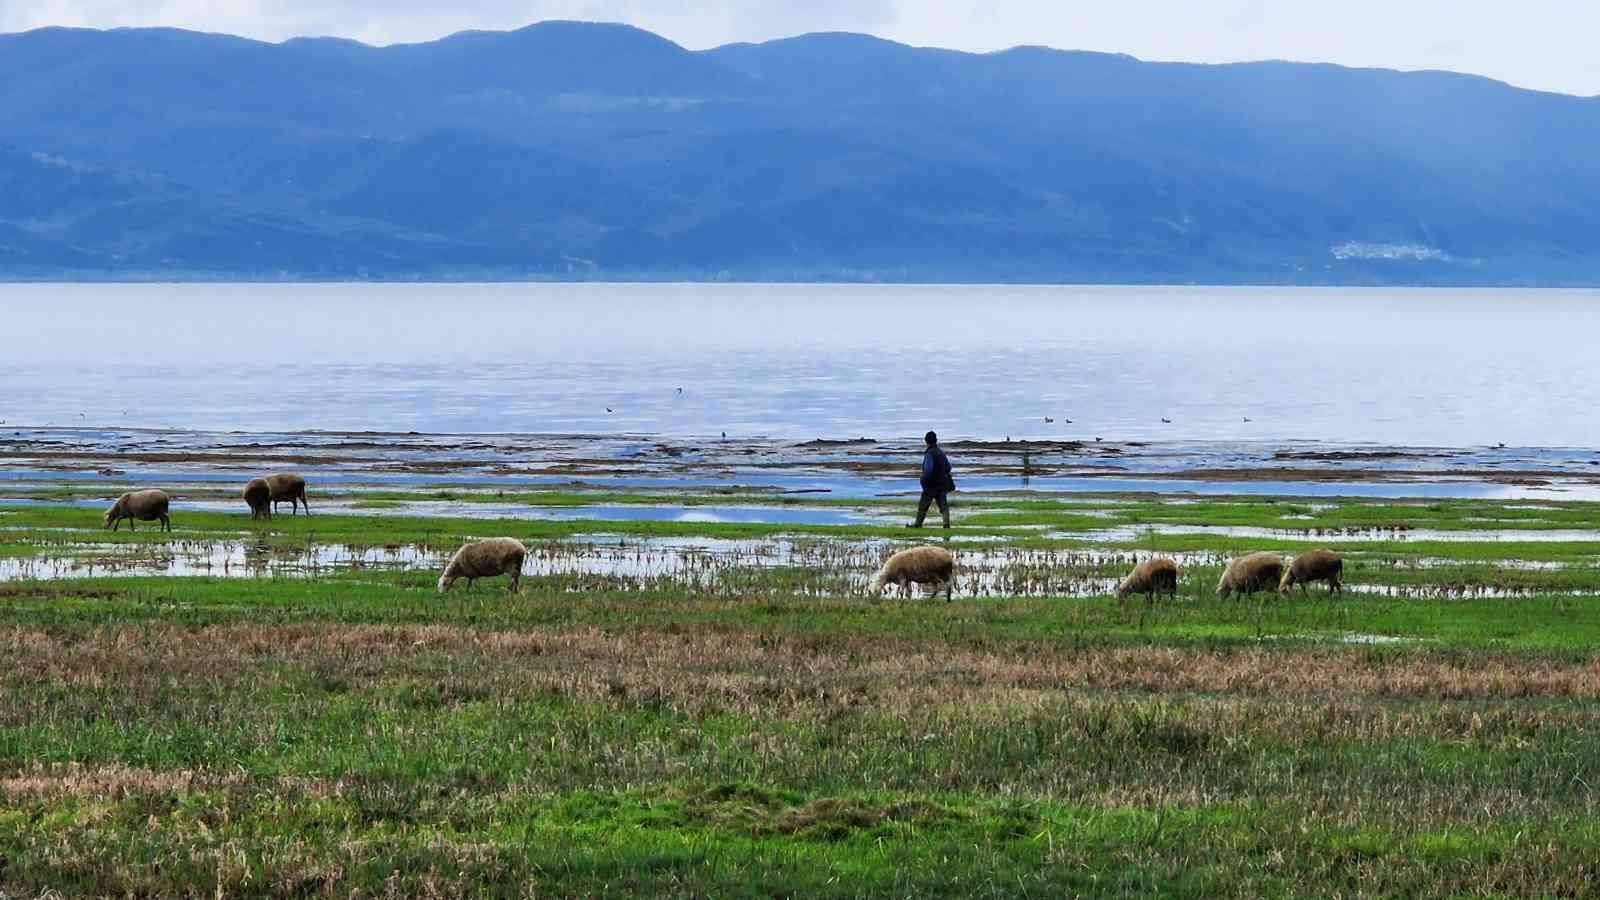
x: 920, y: 565
x: 1246, y: 575
x: 261, y: 494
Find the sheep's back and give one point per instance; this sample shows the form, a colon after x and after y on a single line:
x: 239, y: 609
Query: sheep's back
x: 921, y: 563
x: 285, y: 484
x: 493, y: 556
x: 1314, y: 565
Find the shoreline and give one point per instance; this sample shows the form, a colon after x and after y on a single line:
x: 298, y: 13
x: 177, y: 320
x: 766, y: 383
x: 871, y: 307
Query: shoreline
x: 845, y: 467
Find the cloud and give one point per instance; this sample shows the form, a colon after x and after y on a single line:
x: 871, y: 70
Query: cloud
x: 1535, y: 43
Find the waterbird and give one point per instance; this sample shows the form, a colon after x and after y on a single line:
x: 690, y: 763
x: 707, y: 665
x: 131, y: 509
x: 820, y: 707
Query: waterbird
x: 1166, y: 420
x: 1048, y: 420
x: 680, y: 390
x: 1246, y: 418
x: 608, y: 409
x: 1068, y: 421
x: 1098, y: 440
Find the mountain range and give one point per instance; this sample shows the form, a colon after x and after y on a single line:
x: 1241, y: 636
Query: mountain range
x: 570, y: 150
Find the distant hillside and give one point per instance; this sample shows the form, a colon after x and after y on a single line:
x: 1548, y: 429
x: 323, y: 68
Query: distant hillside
x: 573, y: 150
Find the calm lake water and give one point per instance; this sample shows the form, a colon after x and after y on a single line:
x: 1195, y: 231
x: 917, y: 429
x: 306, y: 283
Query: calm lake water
x: 1389, y: 366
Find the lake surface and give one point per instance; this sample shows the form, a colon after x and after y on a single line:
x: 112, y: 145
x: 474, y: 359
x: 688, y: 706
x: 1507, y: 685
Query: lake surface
x: 1411, y: 367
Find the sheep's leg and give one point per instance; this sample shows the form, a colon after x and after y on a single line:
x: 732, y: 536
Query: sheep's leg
x: 516, y: 579
x: 305, y: 504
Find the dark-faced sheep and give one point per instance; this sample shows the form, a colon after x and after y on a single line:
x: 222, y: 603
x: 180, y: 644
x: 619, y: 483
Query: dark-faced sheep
x: 923, y: 565
x: 258, y: 495
x: 1151, y: 577
x: 139, y: 506
x: 485, y: 559
x: 291, y: 487
x: 1248, y: 574
x: 1314, y: 565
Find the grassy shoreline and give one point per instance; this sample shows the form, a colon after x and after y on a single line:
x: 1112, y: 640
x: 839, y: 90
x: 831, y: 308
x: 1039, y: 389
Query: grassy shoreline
x: 766, y: 729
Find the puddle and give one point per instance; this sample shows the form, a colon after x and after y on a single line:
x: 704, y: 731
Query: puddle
x: 1334, y: 535
x: 1461, y: 591
x: 710, y: 566
x: 218, y: 559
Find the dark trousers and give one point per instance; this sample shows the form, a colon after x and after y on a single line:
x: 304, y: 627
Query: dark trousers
x: 928, y: 499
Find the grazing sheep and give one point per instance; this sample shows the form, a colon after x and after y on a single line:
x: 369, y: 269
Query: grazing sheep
x: 258, y: 495
x: 1248, y: 574
x: 291, y: 487
x: 923, y: 565
x: 1314, y: 565
x: 139, y: 506
x: 485, y: 559
x: 1151, y: 577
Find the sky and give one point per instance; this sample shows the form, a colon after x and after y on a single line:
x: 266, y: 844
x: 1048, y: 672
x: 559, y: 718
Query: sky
x: 1542, y: 44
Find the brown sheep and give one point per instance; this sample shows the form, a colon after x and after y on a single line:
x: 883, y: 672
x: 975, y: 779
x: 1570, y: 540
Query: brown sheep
x: 258, y: 495
x: 1151, y: 577
x: 1314, y: 565
x: 485, y: 559
x: 291, y: 487
x: 923, y: 565
x: 1248, y: 574
x: 139, y: 506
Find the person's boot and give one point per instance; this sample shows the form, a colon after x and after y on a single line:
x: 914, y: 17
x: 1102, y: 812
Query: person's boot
x: 918, y: 523
x: 946, y: 514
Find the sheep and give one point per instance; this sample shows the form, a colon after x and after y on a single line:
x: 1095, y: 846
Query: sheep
x: 1314, y: 565
x: 258, y: 495
x: 923, y: 565
x: 485, y: 559
x: 1248, y: 574
x: 291, y: 487
x: 1151, y: 577
x: 139, y: 506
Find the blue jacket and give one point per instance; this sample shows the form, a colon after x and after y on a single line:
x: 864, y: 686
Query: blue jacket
x: 936, y: 472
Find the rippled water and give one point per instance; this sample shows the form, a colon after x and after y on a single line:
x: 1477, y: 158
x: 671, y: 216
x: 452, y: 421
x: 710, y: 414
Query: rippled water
x: 1389, y: 366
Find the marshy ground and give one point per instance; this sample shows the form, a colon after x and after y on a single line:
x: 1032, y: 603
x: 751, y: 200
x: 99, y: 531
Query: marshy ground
x: 687, y: 704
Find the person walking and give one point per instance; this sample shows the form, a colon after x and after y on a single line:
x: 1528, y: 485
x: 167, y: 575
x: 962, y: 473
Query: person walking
x: 936, y: 482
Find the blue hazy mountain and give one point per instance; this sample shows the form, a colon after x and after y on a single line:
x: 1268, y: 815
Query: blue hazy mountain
x: 602, y: 151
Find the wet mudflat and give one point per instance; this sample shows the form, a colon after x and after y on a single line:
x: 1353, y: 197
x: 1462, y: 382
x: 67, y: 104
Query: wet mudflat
x: 842, y: 468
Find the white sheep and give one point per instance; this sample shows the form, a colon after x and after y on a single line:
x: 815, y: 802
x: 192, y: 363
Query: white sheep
x: 485, y: 559
x: 139, y: 506
x: 1248, y: 574
x: 1151, y: 577
x: 923, y: 565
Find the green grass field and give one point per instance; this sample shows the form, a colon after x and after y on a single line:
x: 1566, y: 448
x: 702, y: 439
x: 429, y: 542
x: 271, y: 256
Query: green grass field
x: 644, y: 721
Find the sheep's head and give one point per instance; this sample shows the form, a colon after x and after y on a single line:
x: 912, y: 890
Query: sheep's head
x: 1223, y: 587
x: 110, y: 516
x: 445, y: 581
x: 1287, y: 581
x: 1124, y: 589
x: 875, y: 586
